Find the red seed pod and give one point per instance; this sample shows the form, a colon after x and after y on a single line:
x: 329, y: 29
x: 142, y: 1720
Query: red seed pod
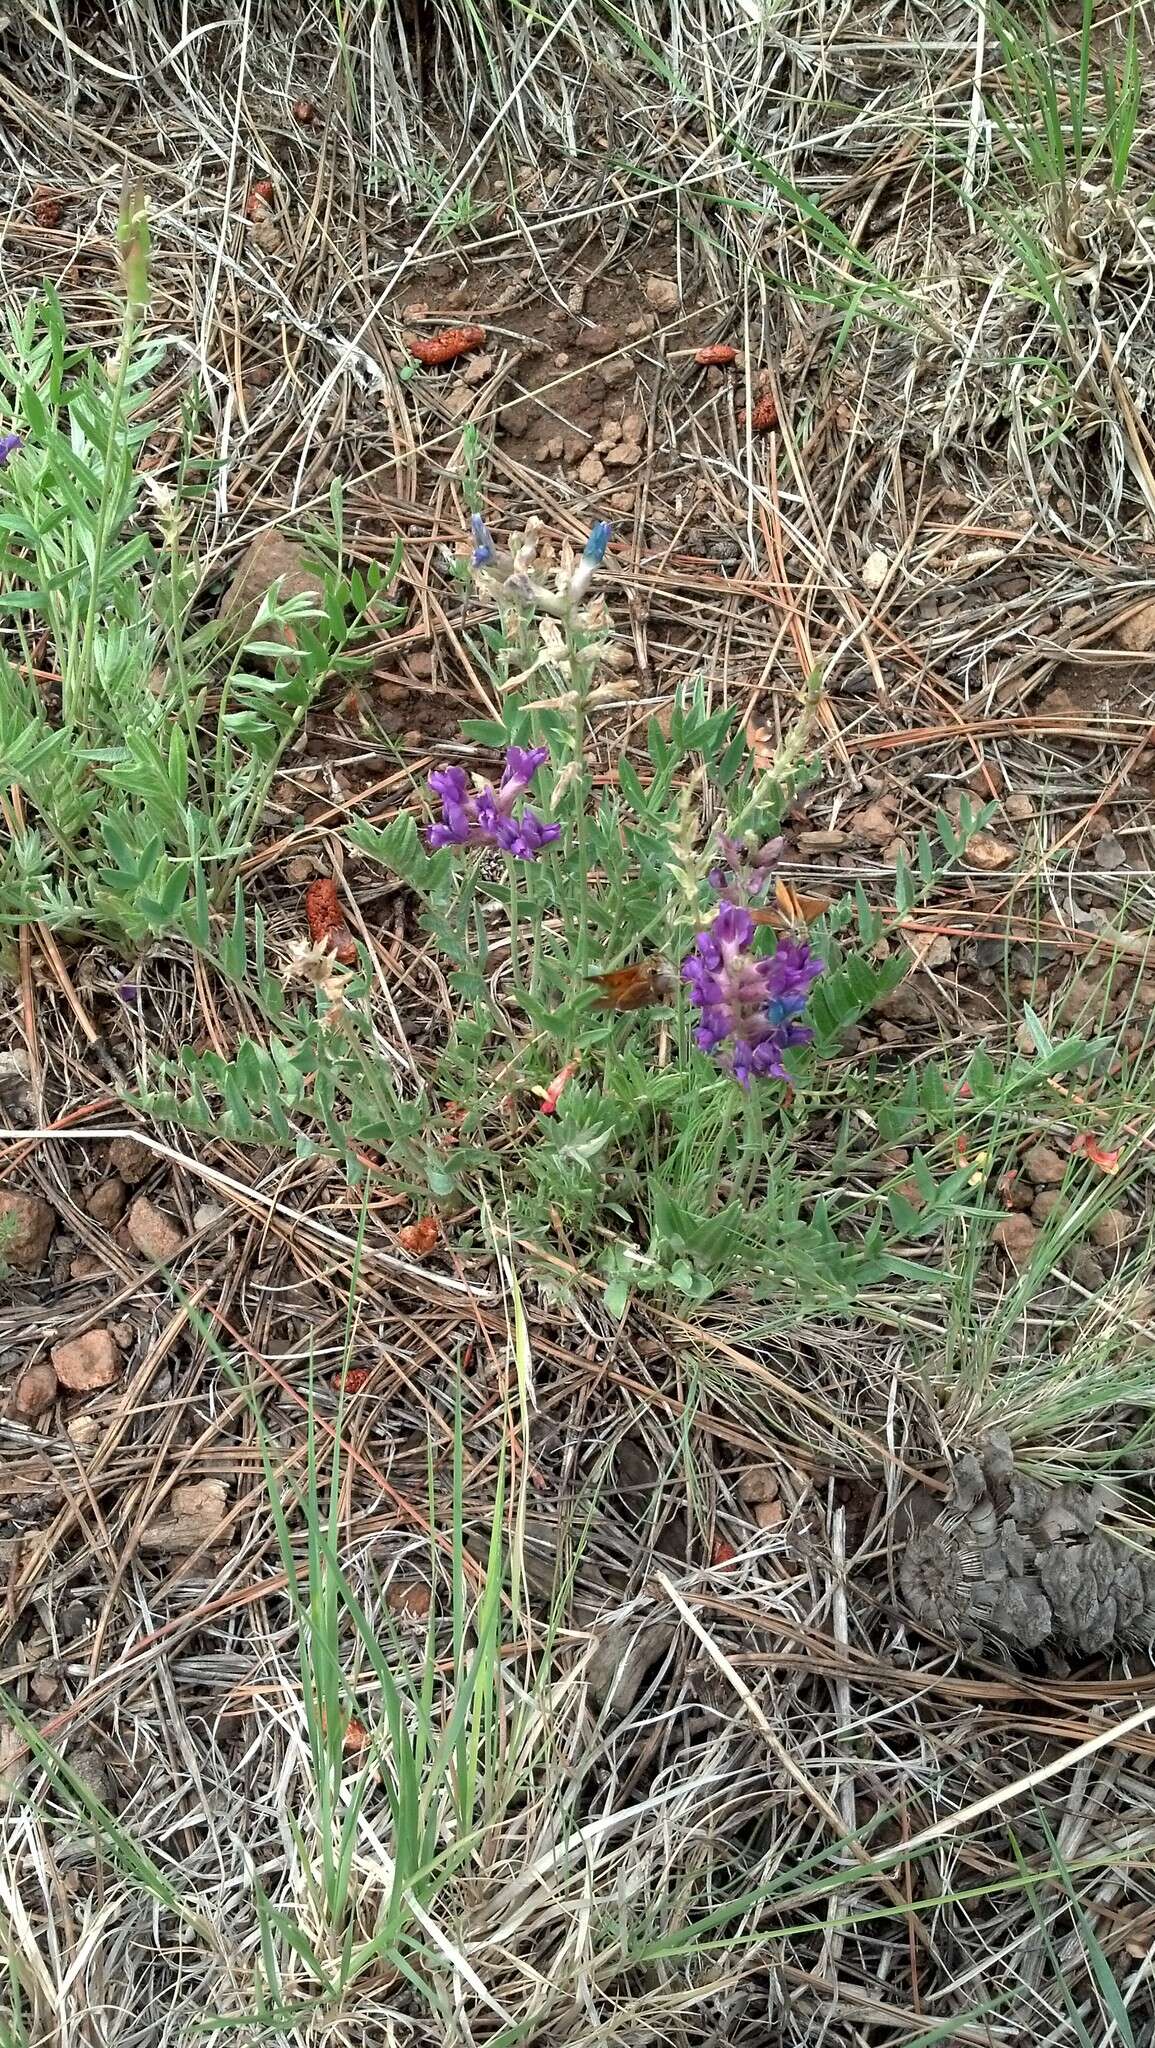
x: 261, y: 197
x: 327, y: 926
x: 352, y: 1381
x: 418, y: 1239
x: 47, y: 207
x: 718, y: 356
x: 765, y: 414
x: 447, y: 345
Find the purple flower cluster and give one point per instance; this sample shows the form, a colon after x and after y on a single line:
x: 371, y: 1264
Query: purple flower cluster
x: 484, y: 816
x: 750, y: 1001
x: 9, y: 444
x: 747, y: 868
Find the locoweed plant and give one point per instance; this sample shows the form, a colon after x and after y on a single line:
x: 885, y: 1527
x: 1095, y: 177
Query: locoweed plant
x: 637, y: 1040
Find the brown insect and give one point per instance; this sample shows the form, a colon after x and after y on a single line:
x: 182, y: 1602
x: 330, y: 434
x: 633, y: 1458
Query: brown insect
x: 718, y: 355
x: 447, y: 345
x: 792, y: 910
x: 326, y: 921
x: 304, y: 111
x: 635, y: 987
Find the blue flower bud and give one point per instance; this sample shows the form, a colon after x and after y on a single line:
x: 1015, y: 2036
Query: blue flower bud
x: 599, y: 540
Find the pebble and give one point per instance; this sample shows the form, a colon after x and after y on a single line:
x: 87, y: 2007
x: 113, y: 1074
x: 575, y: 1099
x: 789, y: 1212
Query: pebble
x: 35, y: 1391
x: 1109, y: 854
x: 130, y: 1159
x: 591, y: 471
x: 1019, y: 806
x: 662, y: 293
x: 1137, y: 634
x: 874, y: 823
x: 876, y: 569
x: 830, y: 841
x: 106, y: 1204
x: 152, y: 1233
x: 1050, y: 1202
x: 985, y: 851
x: 31, y: 1223
x: 85, y: 1363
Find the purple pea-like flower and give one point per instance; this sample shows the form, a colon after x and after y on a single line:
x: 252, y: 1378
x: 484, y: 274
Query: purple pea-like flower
x: 483, y: 548
x: 749, y: 1005
x: 10, y: 444
x: 747, y: 868
x: 484, y: 816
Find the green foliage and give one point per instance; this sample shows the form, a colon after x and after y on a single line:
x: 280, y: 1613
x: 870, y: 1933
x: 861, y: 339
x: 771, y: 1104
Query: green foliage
x: 136, y: 747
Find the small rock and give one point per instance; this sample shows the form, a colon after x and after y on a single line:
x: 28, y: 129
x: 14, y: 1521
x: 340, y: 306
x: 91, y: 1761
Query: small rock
x: 1085, y: 1266
x: 1109, y: 854
x: 1050, y: 1202
x: 269, y: 559
x: 930, y: 949
x: 86, y: 1266
x: 758, y: 1482
x: 985, y: 851
x: 85, y: 1363
x: 906, y: 1004
x: 1019, y: 806
x: 634, y: 427
x: 590, y: 471
x: 1018, y: 1237
x: 1044, y: 1166
x: 894, y: 851
x: 875, y: 823
x: 662, y: 293
x: 624, y: 455
x: 831, y: 841
x: 768, y: 1514
x: 1111, y: 1228
x: 123, y: 1335
x: 637, y: 330
x: 193, y: 1516
x: 875, y: 570
x: 106, y: 1204
x: 130, y: 1159
x: 611, y: 433
x: 206, y: 1214
x: 152, y: 1233
x: 1085, y: 1000
x: 600, y: 340
x: 35, y: 1391
x: 409, y: 1596
x: 419, y: 662
x: 83, y: 1431
x: 26, y: 1227
x: 1137, y: 634
x: 477, y: 369
x: 618, y: 370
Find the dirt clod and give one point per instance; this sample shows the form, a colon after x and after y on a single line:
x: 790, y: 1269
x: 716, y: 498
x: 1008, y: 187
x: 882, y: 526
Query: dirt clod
x: 1018, y: 1237
x: 26, y: 1227
x: 1111, y: 1229
x: 151, y: 1232
x: 1044, y: 1165
x: 83, y: 1364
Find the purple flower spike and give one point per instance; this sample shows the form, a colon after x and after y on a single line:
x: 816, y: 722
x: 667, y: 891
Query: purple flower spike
x: 599, y: 540
x: 483, y: 548
x: 10, y: 444
x: 748, y: 1005
x: 747, y: 868
x: 484, y: 817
